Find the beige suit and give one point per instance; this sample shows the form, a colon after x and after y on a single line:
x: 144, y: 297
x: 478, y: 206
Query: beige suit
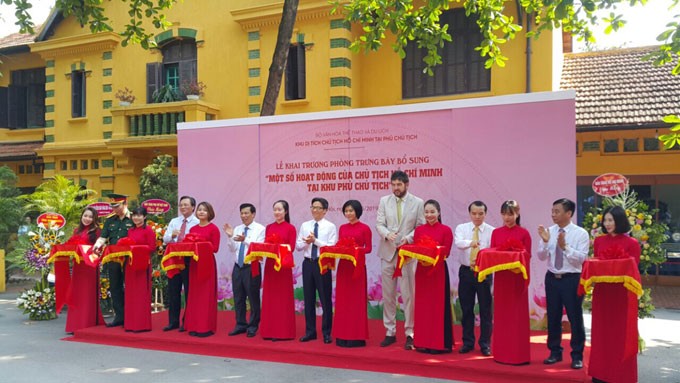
x: 412, y: 216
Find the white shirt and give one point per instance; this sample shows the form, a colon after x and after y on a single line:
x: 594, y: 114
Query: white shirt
x: 578, y: 245
x: 255, y: 234
x: 328, y: 236
x: 176, y: 224
x: 463, y: 238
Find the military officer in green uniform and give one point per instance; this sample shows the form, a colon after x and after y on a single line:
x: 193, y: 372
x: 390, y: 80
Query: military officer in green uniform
x: 115, y: 227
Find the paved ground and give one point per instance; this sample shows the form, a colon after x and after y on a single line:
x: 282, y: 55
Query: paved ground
x: 667, y: 297
x: 32, y: 351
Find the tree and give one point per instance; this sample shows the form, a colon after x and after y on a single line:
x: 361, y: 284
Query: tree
x: 93, y: 14
x: 158, y: 181
x: 408, y: 21
x: 278, y: 65
x: 11, y: 209
x: 60, y: 195
x: 671, y: 139
x: 412, y: 23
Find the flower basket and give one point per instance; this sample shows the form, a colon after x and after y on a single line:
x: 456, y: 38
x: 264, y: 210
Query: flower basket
x: 39, y: 302
x: 193, y: 89
x: 125, y: 97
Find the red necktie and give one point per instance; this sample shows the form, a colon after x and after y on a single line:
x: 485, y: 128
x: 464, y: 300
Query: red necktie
x: 182, y: 231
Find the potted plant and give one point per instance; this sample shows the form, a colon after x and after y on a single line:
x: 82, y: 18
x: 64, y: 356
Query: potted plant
x: 193, y: 89
x: 166, y: 93
x: 125, y: 97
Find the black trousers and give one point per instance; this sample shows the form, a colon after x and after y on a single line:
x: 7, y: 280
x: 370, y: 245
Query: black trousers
x: 175, y: 293
x: 561, y: 291
x: 246, y: 286
x: 313, y: 281
x: 117, y: 280
x: 468, y: 289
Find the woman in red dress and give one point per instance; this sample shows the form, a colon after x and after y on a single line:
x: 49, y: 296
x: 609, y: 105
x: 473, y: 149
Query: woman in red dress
x: 351, y: 298
x: 433, y: 322
x: 614, y: 333
x: 138, y: 277
x: 83, y: 292
x: 278, y: 304
x: 510, y: 339
x: 201, y: 310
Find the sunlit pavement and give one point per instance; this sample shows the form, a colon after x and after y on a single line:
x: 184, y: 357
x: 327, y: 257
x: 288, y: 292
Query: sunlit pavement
x: 32, y: 351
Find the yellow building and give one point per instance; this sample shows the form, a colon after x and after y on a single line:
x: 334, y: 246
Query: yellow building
x: 620, y: 103
x: 227, y: 45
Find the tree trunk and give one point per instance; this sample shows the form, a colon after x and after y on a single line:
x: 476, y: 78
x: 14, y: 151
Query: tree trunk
x: 271, y: 94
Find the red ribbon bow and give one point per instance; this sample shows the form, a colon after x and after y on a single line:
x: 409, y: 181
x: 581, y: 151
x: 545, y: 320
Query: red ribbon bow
x: 193, y: 237
x: 511, y: 244
x: 125, y: 241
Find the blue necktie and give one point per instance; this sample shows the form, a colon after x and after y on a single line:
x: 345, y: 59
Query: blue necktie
x: 315, y: 250
x: 242, y: 249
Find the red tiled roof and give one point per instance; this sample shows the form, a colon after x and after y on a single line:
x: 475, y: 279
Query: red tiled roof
x: 16, y: 39
x: 20, y: 149
x: 617, y: 88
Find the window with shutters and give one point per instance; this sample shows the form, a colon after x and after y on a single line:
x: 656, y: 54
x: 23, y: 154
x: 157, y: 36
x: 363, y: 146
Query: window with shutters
x: 179, y: 66
x: 462, y: 68
x: 22, y: 103
x: 78, y: 94
x: 296, y: 79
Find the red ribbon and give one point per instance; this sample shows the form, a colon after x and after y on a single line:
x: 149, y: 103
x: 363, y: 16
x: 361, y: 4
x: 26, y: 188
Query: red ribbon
x: 280, y: 253
x: 424, y: 248
x: 346, y: 249
x: 511, y: 244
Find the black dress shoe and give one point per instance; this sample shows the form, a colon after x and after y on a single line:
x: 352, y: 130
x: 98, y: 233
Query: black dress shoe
x: 388, y: 340
x: 576, y: 364
x: 465, y: 349
x: 307, y: 338
x: 250, y: 334
x: 237, y: 331
x: 170, y: 327
x: 552, y: 359
x: 115, y: 323
x: 409, y: 343
x: 181, y: 329
x: 327, y: 339
x: 486, y: 351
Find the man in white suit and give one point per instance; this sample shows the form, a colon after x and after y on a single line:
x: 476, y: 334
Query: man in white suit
x: 398, y: 215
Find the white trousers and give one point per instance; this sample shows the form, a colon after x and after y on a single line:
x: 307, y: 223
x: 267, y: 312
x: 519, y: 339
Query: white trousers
x: 389, y: 295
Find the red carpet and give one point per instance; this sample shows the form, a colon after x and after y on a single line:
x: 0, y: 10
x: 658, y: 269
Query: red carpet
x: 472, y: 367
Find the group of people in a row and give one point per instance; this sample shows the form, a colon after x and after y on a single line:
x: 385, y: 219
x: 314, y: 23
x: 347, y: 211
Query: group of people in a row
x: 402, y: 218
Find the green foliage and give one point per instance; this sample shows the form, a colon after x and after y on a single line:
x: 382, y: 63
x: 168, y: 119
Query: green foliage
x: 166, y: 93
x: 418, y: 22
x: 644, y: 227
x: 671, y: 139
x: 93, y: 14
x: 11, y: 208
x: 60, y: 195
x: 158, y: 181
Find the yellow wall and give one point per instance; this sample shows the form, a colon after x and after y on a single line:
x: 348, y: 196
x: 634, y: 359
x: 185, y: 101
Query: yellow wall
x: 594, y: 163
x: 225, y: 31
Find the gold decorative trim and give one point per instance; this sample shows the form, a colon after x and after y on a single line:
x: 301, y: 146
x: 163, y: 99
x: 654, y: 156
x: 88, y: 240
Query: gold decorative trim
x: 75, y: 45
x: 270, y: 15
